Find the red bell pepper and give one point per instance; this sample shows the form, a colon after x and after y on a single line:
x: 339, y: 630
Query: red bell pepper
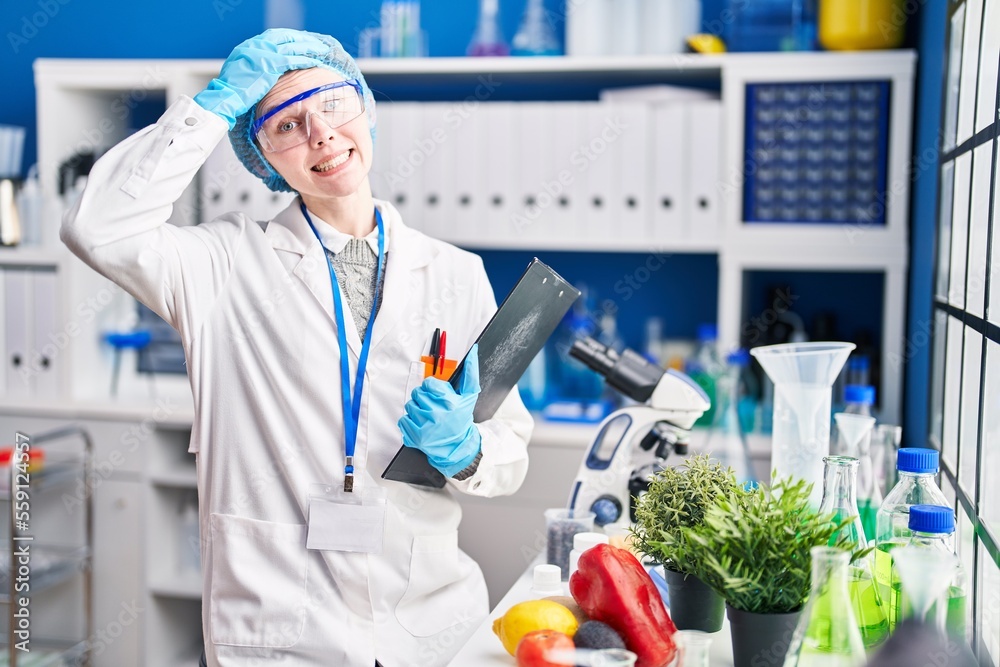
x: 612, y: 586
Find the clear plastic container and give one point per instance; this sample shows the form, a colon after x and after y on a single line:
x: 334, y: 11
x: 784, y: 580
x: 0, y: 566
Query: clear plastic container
x: 917, y: 469
x: 561, y: 526
x: 582, y: 542
x: 693, y: 648
x: 546, y: 580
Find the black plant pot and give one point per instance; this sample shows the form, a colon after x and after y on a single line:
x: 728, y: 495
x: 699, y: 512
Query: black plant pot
x: 693, y: 605
x: 760, y: 640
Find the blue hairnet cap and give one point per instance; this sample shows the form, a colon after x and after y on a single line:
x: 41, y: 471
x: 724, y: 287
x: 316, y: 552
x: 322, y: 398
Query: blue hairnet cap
x: 247, y: 150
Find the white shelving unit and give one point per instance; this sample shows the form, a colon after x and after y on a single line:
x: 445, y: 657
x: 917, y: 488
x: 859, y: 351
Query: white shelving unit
x: 144, y: 489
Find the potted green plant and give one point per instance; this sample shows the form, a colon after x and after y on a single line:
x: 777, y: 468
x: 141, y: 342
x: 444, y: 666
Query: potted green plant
x: 678, y: 498
x: 752, y: 546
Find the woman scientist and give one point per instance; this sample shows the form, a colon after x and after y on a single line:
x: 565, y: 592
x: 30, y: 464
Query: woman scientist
x: 303, y: 339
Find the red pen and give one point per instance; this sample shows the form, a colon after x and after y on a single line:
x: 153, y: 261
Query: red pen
x: 444, y: 337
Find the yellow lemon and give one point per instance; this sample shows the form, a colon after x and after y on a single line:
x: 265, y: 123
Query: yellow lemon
x: 526, y: 617
x: 570, y: 604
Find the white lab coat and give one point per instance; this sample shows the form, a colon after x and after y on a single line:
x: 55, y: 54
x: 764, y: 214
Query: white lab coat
x: 254, y: 311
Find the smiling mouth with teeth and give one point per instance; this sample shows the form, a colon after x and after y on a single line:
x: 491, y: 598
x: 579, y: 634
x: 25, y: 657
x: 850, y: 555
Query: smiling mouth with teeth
x: 333, y: 162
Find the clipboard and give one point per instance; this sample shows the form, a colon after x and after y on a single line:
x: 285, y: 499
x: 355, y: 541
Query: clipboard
x: 511, y: 339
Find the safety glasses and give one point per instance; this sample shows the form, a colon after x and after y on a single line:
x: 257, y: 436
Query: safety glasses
x: 289, y: 124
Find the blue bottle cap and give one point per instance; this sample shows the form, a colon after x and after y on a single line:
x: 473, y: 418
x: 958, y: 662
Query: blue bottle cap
x: 738, y: 357
x: 917, y: 460
x: 931, y: 519
x: 859, y: 393
x: 858, y: 362
x: 708, y: 332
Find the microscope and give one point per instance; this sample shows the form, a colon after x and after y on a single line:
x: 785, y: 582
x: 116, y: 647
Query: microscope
x: 634, y: 442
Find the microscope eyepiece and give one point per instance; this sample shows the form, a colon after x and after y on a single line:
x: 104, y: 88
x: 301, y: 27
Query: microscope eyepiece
x: 630, y: 373
x: 597, y: 356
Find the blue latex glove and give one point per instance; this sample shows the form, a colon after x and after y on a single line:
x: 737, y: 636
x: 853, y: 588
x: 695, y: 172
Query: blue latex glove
x: 438, y: 420
x: 254, y: 67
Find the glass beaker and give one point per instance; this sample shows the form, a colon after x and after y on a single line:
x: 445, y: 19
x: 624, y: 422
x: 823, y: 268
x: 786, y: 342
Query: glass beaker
x: 855, y: 431
x: 827, y: 633
x: 803, y: 374
x: 840, y: 499
x: 692, y: 648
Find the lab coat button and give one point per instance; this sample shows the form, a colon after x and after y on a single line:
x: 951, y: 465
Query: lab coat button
x: 190, y: 121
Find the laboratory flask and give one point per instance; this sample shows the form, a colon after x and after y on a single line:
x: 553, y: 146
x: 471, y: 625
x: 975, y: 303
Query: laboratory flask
x: 840, y: 499
x: 827, y: 633
x: 488, y: 39
x: 535, y: 37
x: 927, y: 572
x: 803, y: 374
x: 916, y: 467
x: 855, y: 435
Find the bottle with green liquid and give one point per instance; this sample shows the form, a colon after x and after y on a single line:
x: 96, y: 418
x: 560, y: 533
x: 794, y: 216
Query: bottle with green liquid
x: 917, y: 469
x: 839, y: 498
x: 933, y: 527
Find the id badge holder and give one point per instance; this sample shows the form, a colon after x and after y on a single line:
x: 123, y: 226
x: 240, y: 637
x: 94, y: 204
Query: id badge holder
x: 341, y: 521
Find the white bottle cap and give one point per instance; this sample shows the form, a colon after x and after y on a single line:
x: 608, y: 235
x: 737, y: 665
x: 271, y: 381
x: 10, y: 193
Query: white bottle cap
x: 583, y: 541
x: 546, y: 580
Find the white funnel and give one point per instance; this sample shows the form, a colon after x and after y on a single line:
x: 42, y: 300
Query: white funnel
x: 853, y: 430
x: 924, y: 575
x: 802, y: 374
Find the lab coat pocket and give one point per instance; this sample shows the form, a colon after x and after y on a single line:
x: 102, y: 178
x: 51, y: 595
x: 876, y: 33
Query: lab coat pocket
x: 444, y: 589
x: 258, y: 582
x: 414, y: 379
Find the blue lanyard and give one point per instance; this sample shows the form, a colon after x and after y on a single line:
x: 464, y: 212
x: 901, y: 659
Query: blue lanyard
x: 352, y: 407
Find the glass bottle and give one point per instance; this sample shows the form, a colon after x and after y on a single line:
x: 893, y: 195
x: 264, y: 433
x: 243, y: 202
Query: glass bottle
x: 726, y: 440
x: 692, y: 648
x: 827, y: 633
x: 840, y: 499
x: 705, y: 368
x: 916, y: 468
x: 933, y: 530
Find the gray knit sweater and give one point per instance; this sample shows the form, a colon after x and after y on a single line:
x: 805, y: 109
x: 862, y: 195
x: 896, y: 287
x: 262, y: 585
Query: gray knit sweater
x: 356, y: 266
